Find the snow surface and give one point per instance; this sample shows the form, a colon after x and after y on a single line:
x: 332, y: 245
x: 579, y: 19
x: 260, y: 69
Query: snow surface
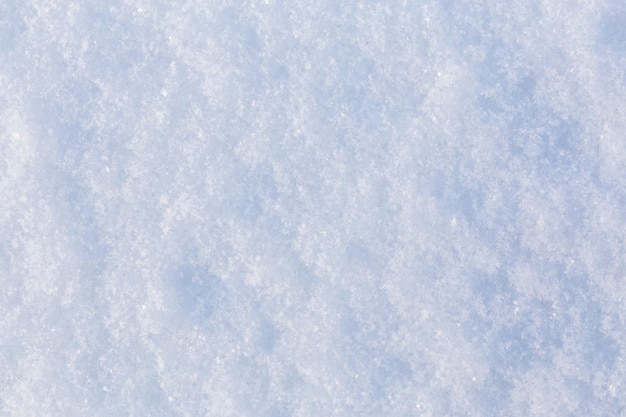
x: 312, y: 208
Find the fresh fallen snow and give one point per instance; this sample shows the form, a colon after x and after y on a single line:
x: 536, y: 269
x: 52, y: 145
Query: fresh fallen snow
x: 271, y: 209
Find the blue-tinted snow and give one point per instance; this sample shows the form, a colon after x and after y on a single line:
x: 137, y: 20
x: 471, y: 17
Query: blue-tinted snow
x: 214, y: 208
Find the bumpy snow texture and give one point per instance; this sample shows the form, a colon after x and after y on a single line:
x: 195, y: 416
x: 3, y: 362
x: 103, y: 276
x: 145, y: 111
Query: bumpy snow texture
x: 312, y: 208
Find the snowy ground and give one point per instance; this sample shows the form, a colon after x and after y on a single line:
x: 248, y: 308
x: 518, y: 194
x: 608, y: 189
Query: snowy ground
x: 312, y: 208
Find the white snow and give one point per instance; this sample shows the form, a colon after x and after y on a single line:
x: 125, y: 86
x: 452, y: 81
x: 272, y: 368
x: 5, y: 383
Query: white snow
x: 312, y: 208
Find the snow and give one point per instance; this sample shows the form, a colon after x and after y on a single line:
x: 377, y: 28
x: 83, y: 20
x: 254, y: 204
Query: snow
x: 212, y: 208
